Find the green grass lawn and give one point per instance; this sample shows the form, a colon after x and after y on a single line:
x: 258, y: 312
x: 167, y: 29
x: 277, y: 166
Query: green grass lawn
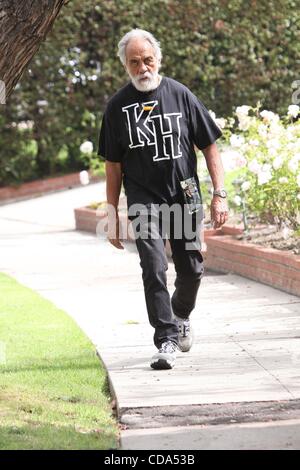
x: 53, y: 388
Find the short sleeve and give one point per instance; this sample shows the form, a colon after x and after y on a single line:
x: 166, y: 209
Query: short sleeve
x: 109, y: 143
x: 204, y: 129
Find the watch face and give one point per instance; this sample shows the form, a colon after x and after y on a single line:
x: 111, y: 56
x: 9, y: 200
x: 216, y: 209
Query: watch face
x: 221, y: 193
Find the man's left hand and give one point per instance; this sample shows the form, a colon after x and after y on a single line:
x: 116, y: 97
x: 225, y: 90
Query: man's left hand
x: 218, y: 211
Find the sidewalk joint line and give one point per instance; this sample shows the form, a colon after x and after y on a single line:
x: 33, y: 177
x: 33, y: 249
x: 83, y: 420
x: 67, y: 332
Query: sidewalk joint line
x: 253, y: 358
x: 266, y: 370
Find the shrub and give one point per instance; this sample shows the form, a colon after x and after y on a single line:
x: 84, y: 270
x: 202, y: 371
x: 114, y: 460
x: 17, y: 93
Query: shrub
x: 262, y: 161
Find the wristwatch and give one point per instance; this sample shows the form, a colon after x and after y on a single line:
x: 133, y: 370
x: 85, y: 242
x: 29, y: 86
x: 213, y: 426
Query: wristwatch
x: 220, y: 192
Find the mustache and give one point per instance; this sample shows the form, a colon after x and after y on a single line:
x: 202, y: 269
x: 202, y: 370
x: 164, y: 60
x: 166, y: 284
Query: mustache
x: 144, y: 75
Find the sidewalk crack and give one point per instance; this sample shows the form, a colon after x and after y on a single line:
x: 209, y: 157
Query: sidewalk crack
x: 264, y: 368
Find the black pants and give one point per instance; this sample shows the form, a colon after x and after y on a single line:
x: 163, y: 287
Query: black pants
x: 150, y: 238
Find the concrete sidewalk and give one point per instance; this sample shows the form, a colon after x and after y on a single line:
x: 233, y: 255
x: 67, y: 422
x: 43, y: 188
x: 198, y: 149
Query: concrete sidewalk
x: 239, y: 387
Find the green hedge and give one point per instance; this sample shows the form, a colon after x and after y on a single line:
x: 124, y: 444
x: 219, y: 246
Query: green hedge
x: 228, y: 53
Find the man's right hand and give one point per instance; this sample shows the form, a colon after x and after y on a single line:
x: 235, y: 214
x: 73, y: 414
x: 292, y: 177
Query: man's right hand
x: 113, y: 233
x: 113, y: 187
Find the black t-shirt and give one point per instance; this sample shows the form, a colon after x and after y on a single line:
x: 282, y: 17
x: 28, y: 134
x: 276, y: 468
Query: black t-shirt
x: 153, y: 134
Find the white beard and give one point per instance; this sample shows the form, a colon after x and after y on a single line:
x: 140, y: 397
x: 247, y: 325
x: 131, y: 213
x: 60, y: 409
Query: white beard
x: 151, y: 83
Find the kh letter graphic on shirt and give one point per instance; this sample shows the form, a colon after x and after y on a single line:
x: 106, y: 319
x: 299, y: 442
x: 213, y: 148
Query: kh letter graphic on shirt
x: 162, y: 131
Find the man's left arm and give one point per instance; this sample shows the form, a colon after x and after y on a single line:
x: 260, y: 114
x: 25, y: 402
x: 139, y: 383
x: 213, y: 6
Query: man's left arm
x: 219, y: 207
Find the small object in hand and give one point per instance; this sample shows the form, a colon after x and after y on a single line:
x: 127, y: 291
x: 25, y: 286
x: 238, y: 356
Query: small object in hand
x: 191, y: 194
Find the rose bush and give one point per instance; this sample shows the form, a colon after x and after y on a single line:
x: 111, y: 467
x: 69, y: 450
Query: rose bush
x: 261, y: 156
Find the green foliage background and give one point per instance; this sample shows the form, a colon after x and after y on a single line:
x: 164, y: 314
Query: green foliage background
x: 228, y: 53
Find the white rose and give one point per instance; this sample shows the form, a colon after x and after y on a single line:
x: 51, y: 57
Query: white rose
x: 278, y: 162
x: 272, y: 152
x: 264, y: 177
x: 262, y: 130
x: 292, y: 146
x: 221, y: 122
x: 237, y: 200
x: 254, y: 166
x: 86, y: 147
x: 283, y: 180
x: 269, y: 116
x: 267, y: 167
x: 84, y: 177
x: 242, y: 110
x: 254, y: 142
x: 275, y: 129
x: 244, y: 122
x: 273, y: 143
x: 236, y: 140
x: 241, y: 161
x: 230, y: 159
x: 298, y: 196
x: 264, y: 113
x: 246, y: 185
x: 289, y: 133
x: 293, y: 110
x: 293, y: 165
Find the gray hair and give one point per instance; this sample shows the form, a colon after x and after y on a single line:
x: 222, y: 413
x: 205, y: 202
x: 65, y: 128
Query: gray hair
x: 142, y: 34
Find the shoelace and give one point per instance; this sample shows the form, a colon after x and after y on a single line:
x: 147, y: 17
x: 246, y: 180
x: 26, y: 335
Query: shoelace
x: 167, y: 348
x: 184, y: 328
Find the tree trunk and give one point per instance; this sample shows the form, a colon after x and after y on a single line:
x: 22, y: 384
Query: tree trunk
x: 24, y: 24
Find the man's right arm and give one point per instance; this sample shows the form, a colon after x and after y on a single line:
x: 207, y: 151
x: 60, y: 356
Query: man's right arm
x: 113, y: 172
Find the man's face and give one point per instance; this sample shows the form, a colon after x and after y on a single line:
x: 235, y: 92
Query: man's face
x: 142, y: 65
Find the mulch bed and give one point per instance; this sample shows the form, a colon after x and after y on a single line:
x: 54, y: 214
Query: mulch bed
x: 272, y: 237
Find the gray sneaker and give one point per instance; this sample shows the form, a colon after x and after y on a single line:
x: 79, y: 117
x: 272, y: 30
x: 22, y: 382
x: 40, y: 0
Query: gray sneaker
x: 185, y: 334
x: 165, y: 357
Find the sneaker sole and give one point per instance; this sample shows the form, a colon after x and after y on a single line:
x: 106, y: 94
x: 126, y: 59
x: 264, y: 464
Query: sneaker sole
x: 161, y: 364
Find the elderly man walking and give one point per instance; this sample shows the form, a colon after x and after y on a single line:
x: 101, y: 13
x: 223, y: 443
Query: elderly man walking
x: 148, y: 136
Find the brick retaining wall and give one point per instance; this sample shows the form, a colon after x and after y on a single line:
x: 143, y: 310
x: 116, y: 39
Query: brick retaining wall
x: 273, y: 267
x: 39, y: 187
